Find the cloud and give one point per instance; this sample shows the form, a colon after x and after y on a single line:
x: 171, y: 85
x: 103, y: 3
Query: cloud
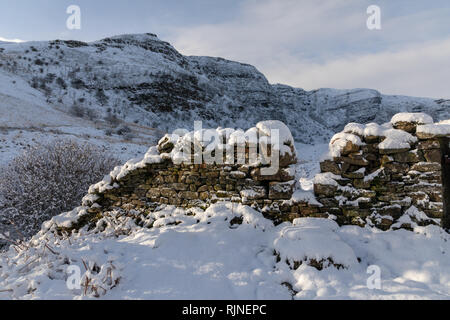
x: 325, y: 43
x: 11, y: 40
x: 417, y: 70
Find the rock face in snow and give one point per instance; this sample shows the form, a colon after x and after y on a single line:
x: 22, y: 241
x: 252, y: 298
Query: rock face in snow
x: 166, y: 90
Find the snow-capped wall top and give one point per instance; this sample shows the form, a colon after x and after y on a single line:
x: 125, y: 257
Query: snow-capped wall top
x: 267, y: 127
x: 181, y: 147
x: 436, y: 130
x: 396, y: 139
x: 391, y: 139
x: 417, y: 118
x: 343, y: 140
x: 173, y: 146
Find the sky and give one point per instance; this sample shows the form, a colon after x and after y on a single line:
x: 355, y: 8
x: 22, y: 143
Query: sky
x: 308, y: 44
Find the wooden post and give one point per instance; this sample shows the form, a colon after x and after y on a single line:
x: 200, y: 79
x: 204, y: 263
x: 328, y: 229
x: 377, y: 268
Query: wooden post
x: 445, y: 152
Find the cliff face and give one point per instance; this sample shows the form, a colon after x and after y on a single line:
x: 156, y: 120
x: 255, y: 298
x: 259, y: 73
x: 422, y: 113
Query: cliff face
x: 142, y: 79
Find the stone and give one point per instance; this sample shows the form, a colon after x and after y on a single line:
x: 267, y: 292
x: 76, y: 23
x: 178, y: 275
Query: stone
x: 153, y: 193
x: 188, y: 195
x: 358, y: 161
x: 409, y: 127
x: 393, y: 151
x: 204, y: 196
x: 282, y: 175
x: 361, y: 183
x: 349, y: 147
x: 223, y: 194
x: 254, y: 193
x: 180, y: 186
x: 165, y: 145
x: 308, y: 211
x: 238, y: 175
x: 408, y: 157
x: 325, y: 190
x: 372, y: 139
x: 168, y: 193
x: 281, y: 190
x: 396, y: 167
x: 170, y: 179
x: 433, y: 155
x: 212, y: 174
x: 287, y: 159
x: 353, y: 175
x: 394, y: 211
x: 426, y: 167
x: 429, y: 144
x: 386, y: 159
x: 203, y: 189
x: 330, y: 166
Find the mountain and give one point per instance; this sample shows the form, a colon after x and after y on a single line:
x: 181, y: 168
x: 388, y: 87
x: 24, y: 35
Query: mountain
x: 147, y: 82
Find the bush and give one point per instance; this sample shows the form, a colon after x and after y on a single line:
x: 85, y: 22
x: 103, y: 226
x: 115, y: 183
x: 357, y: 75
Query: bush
x: 60, y: 82
x: 77, y: 111
x: 49, y: 179
x: 122, y: 130
x: 112, y: 119
x: 91, y: 114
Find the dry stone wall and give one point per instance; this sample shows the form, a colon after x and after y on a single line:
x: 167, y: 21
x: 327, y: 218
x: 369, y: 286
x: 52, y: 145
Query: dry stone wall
x: 381, y: 171
x: 373, y: 174
x: 159, y: 179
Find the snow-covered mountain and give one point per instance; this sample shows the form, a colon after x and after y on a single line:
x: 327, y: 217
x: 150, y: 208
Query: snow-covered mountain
x: 146, y: 81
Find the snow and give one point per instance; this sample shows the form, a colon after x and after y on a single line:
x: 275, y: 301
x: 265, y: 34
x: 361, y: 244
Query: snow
x: 120, y: 172
x: 417, y: 117
x: 326, y: 178
x: 340, y: 140
x: 394, y: 139
x: 267, y: 127
x: 305, y: 196
x: 397, y: 139
x: 438, y: 129
x: 303, y: 241
x: 371, y: 129
x: 373, y: 175
x: 196, y: 254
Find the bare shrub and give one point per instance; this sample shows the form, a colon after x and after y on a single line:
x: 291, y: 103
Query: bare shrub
x: 77, y: 111
x: 122, y: 130
x: 112, y: 119
x: 48, y: 179
x: 91, y: 114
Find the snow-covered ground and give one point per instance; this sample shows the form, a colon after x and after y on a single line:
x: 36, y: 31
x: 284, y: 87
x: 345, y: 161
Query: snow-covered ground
x: 26, y: 119
x: 193, y: 254
x: 197, y: 254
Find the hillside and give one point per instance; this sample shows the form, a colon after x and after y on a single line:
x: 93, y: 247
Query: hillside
x: 145, y: 81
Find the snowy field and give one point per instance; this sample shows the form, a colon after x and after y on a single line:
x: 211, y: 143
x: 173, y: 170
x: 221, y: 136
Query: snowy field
x: 197, y: 254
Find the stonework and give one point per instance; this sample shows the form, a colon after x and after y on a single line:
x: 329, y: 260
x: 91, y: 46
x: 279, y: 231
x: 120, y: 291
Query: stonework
x: 373, y: 174
x: 368, y: 181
